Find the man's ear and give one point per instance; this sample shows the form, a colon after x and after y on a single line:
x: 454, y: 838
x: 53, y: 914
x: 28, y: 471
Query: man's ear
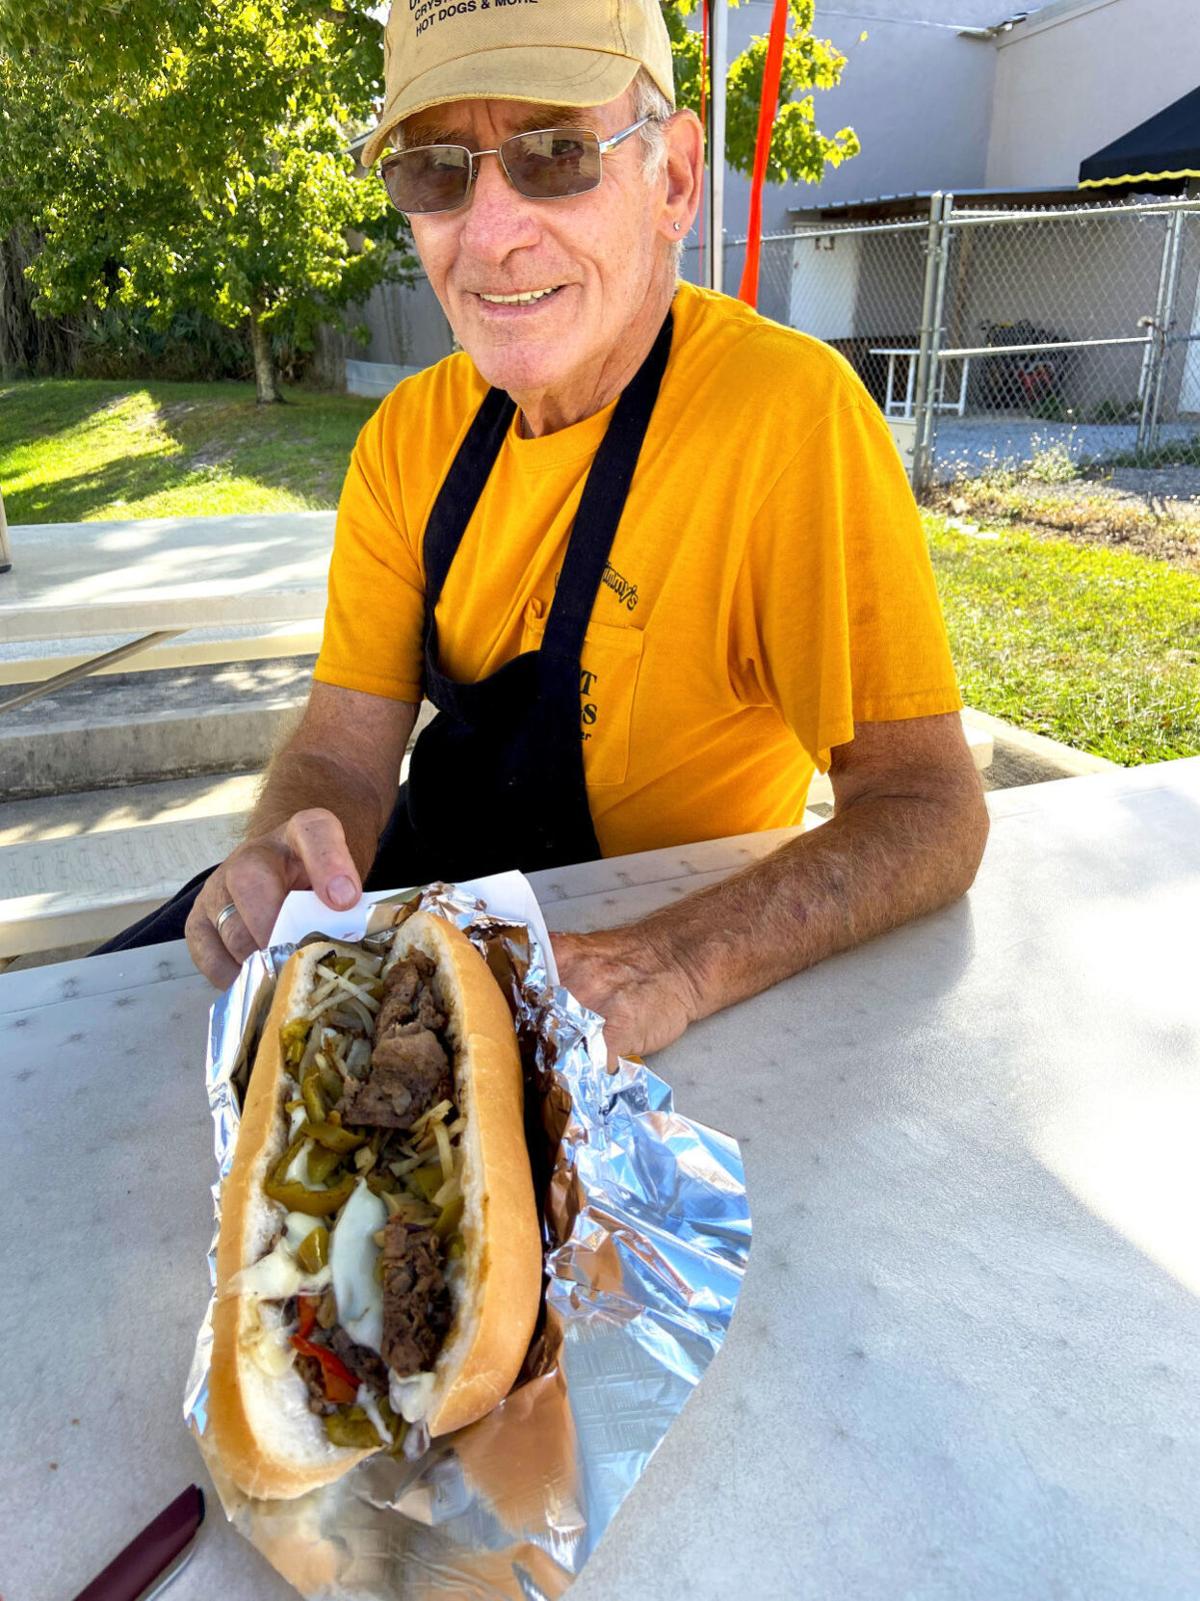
x: 685, y: 170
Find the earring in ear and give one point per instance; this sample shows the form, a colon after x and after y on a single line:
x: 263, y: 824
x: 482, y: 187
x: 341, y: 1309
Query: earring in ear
x: 676, y: 226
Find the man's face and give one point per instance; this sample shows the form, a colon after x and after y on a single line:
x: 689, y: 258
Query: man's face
x: 596, y: 252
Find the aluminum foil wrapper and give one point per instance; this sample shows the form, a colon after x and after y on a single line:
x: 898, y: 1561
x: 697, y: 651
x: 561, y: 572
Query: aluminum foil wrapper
x: 646, y: 1229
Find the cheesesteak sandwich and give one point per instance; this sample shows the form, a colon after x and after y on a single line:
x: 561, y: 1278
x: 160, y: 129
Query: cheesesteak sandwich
x: 379, y: 1262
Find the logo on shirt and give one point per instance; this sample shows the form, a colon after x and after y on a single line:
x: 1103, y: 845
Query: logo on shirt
x: 588, y: 710
x: 625, y: 592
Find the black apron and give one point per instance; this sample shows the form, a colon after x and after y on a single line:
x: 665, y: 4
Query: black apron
x: 496, y: 780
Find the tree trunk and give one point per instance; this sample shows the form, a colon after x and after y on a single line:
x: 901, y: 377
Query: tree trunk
x: 266, y: 379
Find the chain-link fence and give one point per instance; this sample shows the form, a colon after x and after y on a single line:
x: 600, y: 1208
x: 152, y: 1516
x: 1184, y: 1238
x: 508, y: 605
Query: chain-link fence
x: 991, y: 336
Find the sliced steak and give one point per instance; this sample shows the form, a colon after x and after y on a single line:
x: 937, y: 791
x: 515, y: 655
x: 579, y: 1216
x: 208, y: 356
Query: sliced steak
x: 416, y: 1300
x: 360, y: 1359
x: 407, y: 995
x: 410, y: 1072
x: 309, y: 1370
x: 409, y: 1069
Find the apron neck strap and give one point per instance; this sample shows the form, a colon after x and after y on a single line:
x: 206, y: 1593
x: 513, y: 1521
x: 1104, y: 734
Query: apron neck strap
x: 602, y: 503
x: 462, y: 488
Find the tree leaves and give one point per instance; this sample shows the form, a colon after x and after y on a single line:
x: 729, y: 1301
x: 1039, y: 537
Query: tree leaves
x: 799, y: 151
x: 177, y: 155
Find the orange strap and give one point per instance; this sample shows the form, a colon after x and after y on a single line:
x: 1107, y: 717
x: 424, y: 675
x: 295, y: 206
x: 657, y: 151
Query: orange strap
x: 772, y: 72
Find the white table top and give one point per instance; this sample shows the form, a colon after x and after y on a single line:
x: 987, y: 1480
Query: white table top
x: 89, y: 579
x: 966, y: 1362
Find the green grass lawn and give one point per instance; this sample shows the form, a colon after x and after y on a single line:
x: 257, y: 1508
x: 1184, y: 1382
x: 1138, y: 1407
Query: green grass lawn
x: 1094, y: 647
x: 84, y: 450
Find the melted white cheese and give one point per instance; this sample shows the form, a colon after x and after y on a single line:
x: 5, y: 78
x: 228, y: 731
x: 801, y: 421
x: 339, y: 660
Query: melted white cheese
x: 277, y: 1275
x: 352, y: 1256
x: 411, y: 1396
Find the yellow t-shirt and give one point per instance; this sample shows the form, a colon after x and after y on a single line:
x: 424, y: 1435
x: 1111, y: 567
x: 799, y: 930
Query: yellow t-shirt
x: 769, y: 582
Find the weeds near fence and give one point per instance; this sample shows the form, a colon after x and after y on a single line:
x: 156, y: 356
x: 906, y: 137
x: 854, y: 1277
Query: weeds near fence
x: 1171, y: 453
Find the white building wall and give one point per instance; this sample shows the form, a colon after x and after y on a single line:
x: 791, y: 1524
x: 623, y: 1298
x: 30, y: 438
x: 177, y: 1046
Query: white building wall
x: 916, y: 91
x: 1080, y: 73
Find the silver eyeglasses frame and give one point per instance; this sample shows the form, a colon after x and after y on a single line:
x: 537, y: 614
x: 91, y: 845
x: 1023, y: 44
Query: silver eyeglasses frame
x: 475, y: 156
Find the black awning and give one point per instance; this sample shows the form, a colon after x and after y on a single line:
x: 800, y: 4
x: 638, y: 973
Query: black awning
x: 1164, y: 147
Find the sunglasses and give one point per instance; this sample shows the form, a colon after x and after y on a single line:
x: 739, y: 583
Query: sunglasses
x: 549, y: 164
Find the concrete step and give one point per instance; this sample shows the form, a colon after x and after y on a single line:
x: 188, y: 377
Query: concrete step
x: 148, y: 726
x: 75, y: 869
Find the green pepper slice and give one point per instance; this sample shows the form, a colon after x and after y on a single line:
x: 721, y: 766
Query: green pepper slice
x: 351, y: 1426
x: 313, y: 1099
x: 323, y: 1163
x: 331, y: 1083
x: 298, y: 1197
x: 313, y: 1251
x: 317, y: 1203
x: 293, y: 1037
x: 448, y: 1219
x: 425, y: 1181
x: 334, y: 1137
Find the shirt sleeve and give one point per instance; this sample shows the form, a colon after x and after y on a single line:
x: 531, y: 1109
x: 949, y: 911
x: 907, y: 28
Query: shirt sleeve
x: 837, y: 618
x: 375, y: 612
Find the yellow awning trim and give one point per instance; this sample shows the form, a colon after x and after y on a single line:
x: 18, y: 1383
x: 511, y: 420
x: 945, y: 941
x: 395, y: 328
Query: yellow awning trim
x: 1139, y: 177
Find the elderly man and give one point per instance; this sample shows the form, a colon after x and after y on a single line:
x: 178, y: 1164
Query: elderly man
x: 652, y: 558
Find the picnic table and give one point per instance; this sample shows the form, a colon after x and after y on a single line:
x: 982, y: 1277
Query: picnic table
x: 155, y: 580
x: 966, y: 1359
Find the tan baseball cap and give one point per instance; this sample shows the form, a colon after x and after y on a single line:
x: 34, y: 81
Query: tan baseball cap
x: 552, y: 52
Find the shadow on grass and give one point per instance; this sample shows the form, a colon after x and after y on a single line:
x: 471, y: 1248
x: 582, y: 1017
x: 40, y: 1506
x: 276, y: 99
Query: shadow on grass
x: 206, y: 432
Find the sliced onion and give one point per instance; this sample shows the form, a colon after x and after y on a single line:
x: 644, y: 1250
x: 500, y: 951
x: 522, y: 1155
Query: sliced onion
x: 433, y: 1115
x: 445, y: 1152
x: 363, y: 995
x: 358, y: 1055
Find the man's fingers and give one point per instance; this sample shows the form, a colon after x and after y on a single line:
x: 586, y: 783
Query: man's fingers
x: 257, y: 877
x: 318, y: 839
x: 310, y: 851
x: 208, y: 949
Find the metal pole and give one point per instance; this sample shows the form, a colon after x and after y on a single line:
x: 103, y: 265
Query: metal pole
x: 719, y: 37
x: 954, y: 352
x: 5, y: 547
x: 936, y: 335
x: 1154, y: 346
x: 968, y: 218
x: 925, y: 337
x: 1170, y: 299
x: 86, y: 669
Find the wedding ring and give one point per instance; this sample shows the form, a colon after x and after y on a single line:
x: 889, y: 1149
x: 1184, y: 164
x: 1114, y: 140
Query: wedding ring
x: 224, y: 915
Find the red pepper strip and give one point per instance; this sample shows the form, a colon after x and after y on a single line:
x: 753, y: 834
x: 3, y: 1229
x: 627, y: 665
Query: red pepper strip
x: 308, y: 1315
x: 340, y: 1383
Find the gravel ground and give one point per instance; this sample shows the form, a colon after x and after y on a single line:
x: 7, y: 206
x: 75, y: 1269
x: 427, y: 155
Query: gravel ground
x: 966, y: 446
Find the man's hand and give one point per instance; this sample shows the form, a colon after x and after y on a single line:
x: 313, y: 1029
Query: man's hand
x: 645, y: 998
x: 309, y: 851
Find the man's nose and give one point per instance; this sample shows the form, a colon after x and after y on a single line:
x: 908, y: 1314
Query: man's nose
x: 497, y: 218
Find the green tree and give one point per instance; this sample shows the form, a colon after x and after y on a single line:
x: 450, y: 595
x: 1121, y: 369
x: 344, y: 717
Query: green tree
x: 197, y: 160
x: 191, y: 155
x: 798, y: 148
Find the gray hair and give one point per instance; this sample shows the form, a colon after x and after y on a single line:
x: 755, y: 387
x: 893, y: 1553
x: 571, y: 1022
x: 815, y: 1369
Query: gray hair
x: 649, y: 101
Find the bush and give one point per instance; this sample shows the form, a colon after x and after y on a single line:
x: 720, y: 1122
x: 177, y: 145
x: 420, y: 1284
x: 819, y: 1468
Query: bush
x: 124, y: 342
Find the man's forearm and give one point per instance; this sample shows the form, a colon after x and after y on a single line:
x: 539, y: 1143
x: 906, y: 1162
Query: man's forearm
x: 880, y: 862
x: 871, y: 868
x: 299, y: 779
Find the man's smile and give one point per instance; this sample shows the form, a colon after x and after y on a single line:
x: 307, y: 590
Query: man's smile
x: 523, y: 297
